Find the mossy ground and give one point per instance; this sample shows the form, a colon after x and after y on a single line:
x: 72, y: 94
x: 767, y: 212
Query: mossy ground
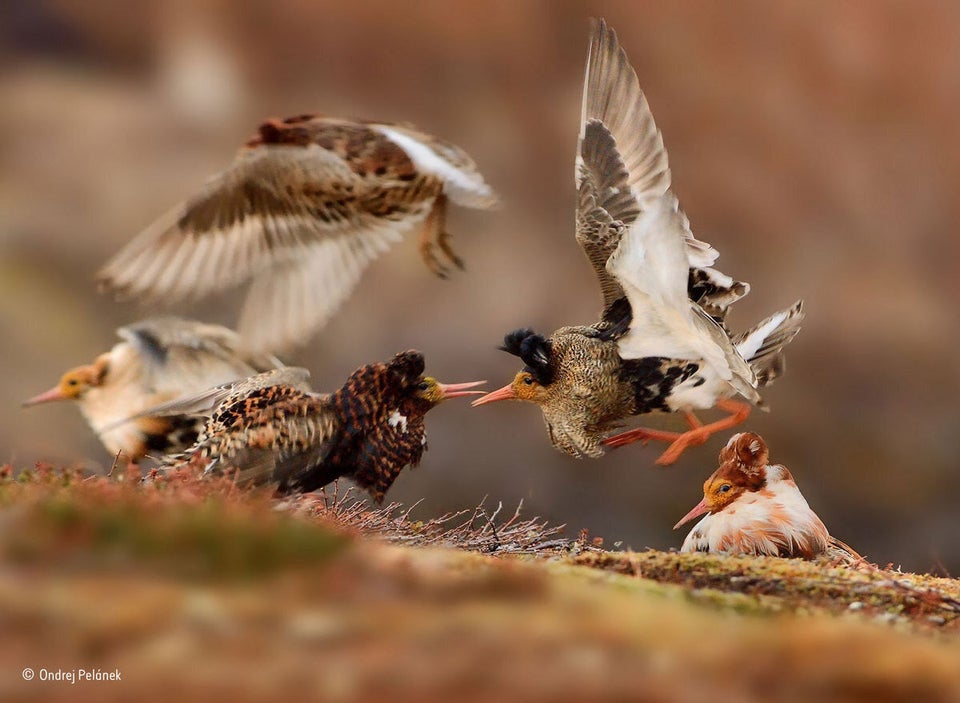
x: 196, y: 589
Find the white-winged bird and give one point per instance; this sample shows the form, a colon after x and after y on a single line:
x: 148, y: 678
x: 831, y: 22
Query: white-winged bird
x: 272, y: 429
x: 158, y: 360
x: 305, y: 207
x: 661, y: 343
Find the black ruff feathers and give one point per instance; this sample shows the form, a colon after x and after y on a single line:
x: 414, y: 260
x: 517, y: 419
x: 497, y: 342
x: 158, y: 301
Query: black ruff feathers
x: 534, y: 350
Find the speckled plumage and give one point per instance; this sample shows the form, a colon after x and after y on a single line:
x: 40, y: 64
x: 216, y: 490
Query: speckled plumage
x: 306, y: 206
x: 662, y: 343
x: 158, y: 359
x: 369, y: 430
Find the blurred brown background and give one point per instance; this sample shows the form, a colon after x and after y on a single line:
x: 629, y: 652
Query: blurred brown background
x: 813, y: 143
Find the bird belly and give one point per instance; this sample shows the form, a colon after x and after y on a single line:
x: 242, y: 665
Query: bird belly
x: 698, y: 392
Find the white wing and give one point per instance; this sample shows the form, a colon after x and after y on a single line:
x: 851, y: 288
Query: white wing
x: 656, y: 248
x: 174, y: 356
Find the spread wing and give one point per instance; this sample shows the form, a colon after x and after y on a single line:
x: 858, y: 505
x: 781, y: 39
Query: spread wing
x: 292, y: 299
x: 629, y: 220
x: 621, y: 161
x: 279, y: 214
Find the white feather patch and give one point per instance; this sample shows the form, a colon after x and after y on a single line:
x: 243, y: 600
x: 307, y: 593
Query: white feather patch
x: 428, y: 161
x: 753, y: 341
x: 398, y: 420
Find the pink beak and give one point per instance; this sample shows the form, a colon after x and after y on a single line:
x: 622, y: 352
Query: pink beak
x: 697, y: 511
x: 48, y: 397
x: 505, y: 393
x: 458, y: 390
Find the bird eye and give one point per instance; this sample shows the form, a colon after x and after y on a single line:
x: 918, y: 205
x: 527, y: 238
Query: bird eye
x: 528, y: 380
x: 72, y: 382
x: 725, y: 487
x: 423, y: 385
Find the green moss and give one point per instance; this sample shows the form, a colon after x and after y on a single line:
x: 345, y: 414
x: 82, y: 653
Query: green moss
x: 187, y: 529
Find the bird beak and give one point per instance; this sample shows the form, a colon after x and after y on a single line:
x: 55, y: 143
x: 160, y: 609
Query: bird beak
x: 458, y: 390
x: 48, y: 397
x: 699, y: 510
x: 505, y: 393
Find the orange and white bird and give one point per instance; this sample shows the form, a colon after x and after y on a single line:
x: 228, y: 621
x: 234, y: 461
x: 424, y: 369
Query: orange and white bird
x: 158, y: 360
x: 307, y: 204
x: 755, y: 507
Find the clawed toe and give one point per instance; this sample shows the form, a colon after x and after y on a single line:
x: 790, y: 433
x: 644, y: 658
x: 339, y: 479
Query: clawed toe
x: 428, y: 252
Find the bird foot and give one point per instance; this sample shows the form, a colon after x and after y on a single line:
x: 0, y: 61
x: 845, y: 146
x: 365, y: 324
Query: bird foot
x: 444, y: 242
x: 428, y: 252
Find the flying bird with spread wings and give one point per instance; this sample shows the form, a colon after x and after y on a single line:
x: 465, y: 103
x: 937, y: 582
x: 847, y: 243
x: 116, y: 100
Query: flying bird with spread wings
x: 661, y: 343
x: 305, y: 207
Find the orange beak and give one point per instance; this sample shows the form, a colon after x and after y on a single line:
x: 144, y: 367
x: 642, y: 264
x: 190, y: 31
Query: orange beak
x: 505, y: 393
x: 458, y: 390
x: 699, y: 510
x: 48, y: 397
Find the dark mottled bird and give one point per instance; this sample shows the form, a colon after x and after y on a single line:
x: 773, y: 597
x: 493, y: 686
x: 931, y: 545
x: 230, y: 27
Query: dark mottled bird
x: 661, y: 343
x: 754, y: 507
x: 158, y: 360
x: 306, y: 206
x: 272, y: 429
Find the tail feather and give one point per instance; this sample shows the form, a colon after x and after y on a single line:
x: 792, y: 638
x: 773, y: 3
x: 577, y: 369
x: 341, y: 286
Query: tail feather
x: 714, y: 291
x: 763, y: 345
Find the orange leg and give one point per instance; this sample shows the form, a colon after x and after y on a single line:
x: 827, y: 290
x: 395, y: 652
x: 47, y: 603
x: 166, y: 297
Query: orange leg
x: 679, y: 441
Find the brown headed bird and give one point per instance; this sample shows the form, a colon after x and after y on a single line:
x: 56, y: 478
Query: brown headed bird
x: 661, y: 343
x: 158, y: 360
x: 754, y: 507
x: 306, y: 206
x: 272, y: 429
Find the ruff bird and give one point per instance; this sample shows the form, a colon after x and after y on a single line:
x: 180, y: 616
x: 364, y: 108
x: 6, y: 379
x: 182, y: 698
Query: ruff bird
x: 661, y: 343
x: 305, y: 207
x: 157, y: 360
x: 272, y: 429
x: 754, y: 507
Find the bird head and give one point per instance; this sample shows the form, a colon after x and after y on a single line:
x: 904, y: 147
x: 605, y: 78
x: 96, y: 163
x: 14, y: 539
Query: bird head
x: 523, y: 387
x: 73, y: 385
x: 742, y: 470
x: 531, y: 383
x: 430, y: 392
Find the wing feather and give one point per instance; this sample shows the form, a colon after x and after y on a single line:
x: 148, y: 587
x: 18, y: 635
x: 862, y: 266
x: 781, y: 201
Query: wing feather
x: 290, y: 301
x: 622, y: 167
x: 630, y: 223
x: 274, y: 201
x: 179, y: 356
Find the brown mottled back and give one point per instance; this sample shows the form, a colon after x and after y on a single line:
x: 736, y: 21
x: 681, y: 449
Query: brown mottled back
x: 368, y: 430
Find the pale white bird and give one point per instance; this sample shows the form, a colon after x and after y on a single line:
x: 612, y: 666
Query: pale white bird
x: 157, y: 360
x: 754, y: 507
